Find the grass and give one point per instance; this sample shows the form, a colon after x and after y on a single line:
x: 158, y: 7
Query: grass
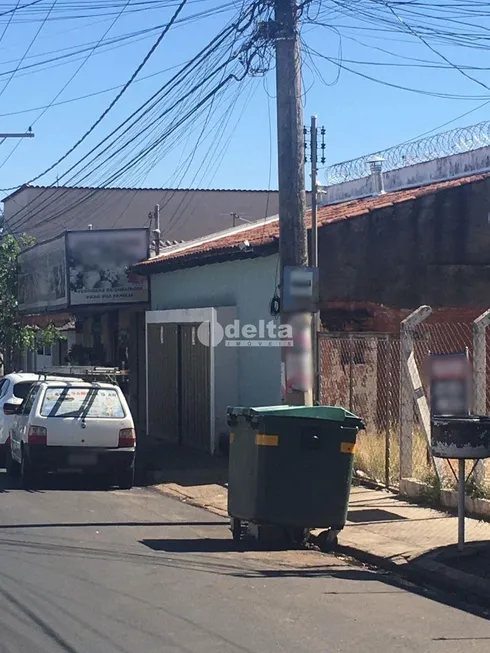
x: 371, y: 455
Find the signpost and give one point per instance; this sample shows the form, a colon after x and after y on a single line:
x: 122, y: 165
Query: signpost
x: 450, y: 396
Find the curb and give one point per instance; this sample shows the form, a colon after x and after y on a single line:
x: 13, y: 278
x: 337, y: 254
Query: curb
x: 429, y: 573
x: 426, y: 571
x: 189, y: 500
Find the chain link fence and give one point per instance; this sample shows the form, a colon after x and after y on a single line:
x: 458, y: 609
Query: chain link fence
x: 362, y: 372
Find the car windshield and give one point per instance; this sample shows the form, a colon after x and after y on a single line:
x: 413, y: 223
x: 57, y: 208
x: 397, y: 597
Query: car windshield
x: 81, y: 402
x: 21, y: 389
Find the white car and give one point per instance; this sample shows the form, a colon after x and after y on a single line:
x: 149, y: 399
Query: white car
x: 73, y: 425
x: 13, y: 390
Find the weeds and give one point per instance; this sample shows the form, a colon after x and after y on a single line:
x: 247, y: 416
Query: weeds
x: 372, y: 456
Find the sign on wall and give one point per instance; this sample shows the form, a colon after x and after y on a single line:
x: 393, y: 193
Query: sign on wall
x: 42, y: 277
x: 98, y: 263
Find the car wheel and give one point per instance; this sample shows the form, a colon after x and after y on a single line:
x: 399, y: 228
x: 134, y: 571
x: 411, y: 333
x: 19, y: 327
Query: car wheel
x: 12, y: 466
x: 126, y: 478
x: 27, y: 476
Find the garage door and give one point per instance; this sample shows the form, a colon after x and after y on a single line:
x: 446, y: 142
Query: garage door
x: 179, y: 393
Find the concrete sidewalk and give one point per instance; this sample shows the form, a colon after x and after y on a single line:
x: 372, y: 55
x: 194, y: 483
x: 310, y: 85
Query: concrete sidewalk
x: 382, y: 530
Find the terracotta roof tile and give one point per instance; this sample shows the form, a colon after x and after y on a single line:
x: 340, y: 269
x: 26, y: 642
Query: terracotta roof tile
x: 266, y: 232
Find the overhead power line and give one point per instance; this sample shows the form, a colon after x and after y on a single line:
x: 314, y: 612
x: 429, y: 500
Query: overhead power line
x: 175, y: 123
x: 68, y: 82
x: 116, y: 99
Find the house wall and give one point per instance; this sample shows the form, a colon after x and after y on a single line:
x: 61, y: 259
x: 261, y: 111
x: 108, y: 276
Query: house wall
x: 249, y: 285
x: 434, y: 250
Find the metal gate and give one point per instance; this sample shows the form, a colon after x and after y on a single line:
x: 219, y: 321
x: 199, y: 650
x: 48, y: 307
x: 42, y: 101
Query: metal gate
x: 179, y: 393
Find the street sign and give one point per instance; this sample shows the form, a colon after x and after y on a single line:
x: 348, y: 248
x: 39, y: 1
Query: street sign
x: 450, y: 384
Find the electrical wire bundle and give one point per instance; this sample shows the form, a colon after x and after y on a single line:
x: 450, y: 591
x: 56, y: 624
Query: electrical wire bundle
x: 205, y: 87
x: 195, y: 109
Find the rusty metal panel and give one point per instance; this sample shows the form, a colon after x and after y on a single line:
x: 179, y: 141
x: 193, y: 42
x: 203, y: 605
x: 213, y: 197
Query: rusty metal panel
x: 195, y: 389
x: 163, y: 381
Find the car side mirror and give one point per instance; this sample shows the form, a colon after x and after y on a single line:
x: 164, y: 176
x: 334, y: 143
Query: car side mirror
x: 11, y: 409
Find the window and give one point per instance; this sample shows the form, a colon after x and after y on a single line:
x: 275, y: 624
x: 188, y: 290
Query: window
x: 44, y: 351
x: 29, y: 401
x: 4, y: 386
x: 82, y: 402
x: 21, y: 390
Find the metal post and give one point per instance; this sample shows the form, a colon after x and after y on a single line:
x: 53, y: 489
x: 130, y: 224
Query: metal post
x: 29, y: 134
x: 388, y: 421
x: 351, y: 376
x: 461, y: 502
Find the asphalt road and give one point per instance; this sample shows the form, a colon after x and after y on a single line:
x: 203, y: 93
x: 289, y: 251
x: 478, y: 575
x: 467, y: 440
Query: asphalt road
x: 85, y: 571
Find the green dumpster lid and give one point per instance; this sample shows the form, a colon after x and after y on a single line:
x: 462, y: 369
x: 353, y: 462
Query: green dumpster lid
x: 330, y: 413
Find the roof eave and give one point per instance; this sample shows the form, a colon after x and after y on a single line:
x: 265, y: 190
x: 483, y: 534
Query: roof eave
x: 15, y: 192
x: 147, y: 268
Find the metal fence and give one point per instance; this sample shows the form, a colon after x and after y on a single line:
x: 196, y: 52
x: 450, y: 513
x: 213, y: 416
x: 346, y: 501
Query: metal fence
x: 365, y: 373
x: 360, y: 371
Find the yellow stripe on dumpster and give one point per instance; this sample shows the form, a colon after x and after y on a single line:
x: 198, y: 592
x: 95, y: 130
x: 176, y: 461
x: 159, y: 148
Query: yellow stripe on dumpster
x: 232, y: 437
x: 347, y: 447
x: 266, y: 440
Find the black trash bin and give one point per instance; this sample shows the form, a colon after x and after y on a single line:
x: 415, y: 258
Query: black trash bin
x: 291, y: 467
x: 465, y: 437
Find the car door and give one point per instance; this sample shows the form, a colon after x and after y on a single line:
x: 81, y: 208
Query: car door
x: 4, y: 384
x: 21, y: 423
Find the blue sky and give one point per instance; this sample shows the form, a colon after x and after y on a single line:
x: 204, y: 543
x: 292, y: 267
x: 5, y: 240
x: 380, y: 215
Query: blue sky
x: 360, y: 115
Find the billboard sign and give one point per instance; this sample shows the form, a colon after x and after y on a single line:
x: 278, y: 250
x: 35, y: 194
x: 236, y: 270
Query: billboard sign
x: 42, y: 277
x: 98, y: 262
x: 450, y: 384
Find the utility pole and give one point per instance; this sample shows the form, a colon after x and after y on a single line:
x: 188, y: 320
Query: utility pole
x: 293, y: 251
x: 314, y: 256
x: 316, y: 324
x: 156, y: 230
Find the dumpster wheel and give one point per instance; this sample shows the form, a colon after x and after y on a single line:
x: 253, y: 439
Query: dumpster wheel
x: 297, y: 536
x: 327, y: 540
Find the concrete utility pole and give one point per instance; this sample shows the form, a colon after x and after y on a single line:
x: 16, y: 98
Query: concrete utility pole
x: 314, y: 253
x: 296, y: 360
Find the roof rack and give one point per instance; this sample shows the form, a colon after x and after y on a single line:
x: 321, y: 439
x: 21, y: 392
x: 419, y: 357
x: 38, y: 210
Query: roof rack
x: 86, y: 372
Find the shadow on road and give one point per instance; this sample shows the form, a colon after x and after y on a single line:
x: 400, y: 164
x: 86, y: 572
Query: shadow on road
x: 166, y: 462
x: 139, y: 524
x: 56, y: 482
x: 213, y: 545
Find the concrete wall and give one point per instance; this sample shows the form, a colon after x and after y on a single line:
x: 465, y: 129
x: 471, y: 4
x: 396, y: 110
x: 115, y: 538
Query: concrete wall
x: 249, y: 285
x: 434, y: 250
x: 418, y: 174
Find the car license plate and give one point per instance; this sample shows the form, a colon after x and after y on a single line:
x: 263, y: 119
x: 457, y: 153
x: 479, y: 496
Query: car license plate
x: 82, y: 460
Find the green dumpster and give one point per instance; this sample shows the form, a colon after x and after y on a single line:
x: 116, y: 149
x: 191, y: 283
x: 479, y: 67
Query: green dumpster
x: 291, y: 467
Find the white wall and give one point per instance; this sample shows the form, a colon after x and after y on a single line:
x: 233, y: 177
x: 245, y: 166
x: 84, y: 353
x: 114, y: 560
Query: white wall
x: 249, y: 285
x: 428, y: 172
